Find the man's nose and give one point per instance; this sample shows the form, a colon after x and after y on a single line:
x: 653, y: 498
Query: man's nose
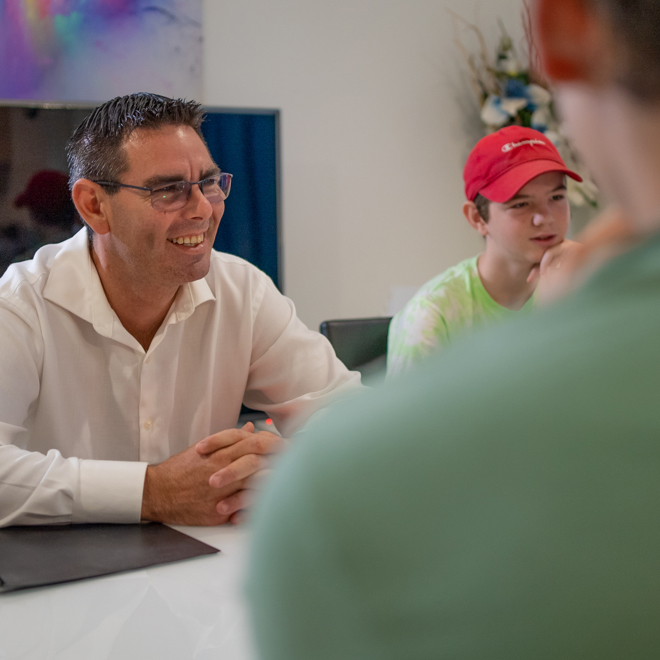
x: 198, y: 201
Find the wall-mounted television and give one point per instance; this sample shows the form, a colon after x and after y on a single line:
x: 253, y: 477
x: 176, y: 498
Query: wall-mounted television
x: 244, y: 142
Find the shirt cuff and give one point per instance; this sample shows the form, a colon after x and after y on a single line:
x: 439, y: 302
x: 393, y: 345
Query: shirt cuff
x: 109, y: 492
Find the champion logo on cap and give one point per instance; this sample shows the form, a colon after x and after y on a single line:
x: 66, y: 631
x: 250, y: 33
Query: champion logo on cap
x: 514, y: 145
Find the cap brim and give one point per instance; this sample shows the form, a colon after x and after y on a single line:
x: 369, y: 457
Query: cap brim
x: 506, y: 186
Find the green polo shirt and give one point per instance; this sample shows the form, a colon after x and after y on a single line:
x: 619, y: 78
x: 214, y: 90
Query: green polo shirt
x: 500, y: 502
x: 445, y: 308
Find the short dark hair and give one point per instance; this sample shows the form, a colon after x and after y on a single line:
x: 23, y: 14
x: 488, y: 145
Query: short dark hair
x: 483, y: 206
x: 95, y: 150
x: 638, y: 24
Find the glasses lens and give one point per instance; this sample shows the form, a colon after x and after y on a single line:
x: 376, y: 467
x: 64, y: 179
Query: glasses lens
x: 216, y: 188
x: 225, y: 183
x: 170, y: 197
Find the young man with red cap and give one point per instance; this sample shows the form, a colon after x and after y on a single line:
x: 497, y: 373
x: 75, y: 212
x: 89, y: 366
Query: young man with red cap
x: 516, y: 199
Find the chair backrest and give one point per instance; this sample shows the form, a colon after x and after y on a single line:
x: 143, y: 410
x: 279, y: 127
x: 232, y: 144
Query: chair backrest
x: 358, y: 342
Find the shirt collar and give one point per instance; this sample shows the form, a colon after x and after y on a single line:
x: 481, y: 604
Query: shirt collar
x: 75, y: 285
x: 189, y: 296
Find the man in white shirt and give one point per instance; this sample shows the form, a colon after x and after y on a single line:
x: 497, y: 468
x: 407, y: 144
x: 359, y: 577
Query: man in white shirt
x: 128, y: 349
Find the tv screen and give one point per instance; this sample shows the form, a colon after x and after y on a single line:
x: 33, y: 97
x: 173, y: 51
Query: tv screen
x: 33, y: 167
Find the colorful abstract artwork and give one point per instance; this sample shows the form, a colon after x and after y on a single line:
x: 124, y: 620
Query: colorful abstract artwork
x: 92, y: 50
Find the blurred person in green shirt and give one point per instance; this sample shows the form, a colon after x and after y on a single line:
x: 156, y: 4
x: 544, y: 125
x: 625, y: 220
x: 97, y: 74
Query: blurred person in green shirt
x: 516, y: 199
x: 501, y: 501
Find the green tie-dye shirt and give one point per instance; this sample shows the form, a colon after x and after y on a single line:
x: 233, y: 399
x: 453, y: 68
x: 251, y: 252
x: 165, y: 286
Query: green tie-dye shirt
x: 443, y: 309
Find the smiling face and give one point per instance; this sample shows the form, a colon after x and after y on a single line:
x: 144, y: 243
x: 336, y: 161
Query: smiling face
x: 535, y: 219
x: 161, y: 249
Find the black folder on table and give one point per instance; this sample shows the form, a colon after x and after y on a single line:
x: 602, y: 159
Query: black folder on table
x: 34, y: 556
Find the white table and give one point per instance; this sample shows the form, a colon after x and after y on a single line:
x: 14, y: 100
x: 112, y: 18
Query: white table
x: 180, y: 611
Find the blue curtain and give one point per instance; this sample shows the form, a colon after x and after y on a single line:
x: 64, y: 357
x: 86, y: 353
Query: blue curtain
x: 245, y: 145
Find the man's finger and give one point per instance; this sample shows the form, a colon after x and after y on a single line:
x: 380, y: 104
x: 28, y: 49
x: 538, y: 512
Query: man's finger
x: 230, y: 505
x: 256, y: 443
x: 240, y: 469
x: 222, y: 440
x: 238, y: 517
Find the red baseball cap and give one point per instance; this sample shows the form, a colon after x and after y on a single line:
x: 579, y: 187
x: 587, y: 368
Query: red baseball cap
x: 46, y: 189
x: 503, y: 162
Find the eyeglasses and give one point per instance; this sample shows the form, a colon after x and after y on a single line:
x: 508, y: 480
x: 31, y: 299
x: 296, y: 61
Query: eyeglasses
x: 173, y: 196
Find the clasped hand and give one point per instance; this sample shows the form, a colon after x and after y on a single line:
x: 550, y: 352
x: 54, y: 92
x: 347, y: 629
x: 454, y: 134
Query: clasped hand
x: 211, y: 482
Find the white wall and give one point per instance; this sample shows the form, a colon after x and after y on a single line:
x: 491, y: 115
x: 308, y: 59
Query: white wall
x: 377, y: 119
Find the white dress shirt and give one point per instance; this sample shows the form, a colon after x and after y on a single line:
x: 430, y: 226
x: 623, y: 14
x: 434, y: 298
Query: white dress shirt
x: 84, y: 408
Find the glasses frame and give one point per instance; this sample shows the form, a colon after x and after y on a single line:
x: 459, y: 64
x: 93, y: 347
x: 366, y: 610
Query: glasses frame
x: 223, y: 175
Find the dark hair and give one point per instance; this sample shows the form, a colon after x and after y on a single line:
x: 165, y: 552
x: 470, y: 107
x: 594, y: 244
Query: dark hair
x: 483, y: 207
x: 638, y: 24
x: 95, y: 148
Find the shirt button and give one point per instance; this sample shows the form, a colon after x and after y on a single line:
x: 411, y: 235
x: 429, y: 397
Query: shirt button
x: 147, y: 360
x: 147, y: 424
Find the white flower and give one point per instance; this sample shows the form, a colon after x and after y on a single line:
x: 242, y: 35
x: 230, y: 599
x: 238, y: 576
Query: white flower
x: 539, y: 96
x: 497, y: 111
x: 492, y: 113
x: 573, y: 192
x: 589, y: 188
x: 512, y: 105
x: 541, y: 119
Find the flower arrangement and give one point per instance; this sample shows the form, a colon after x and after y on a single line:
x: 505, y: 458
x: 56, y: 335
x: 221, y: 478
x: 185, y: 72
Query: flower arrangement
x: 510, y: 93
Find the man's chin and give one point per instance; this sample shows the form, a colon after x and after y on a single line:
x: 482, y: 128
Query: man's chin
x: 199, y: 271
x: 196, y: 270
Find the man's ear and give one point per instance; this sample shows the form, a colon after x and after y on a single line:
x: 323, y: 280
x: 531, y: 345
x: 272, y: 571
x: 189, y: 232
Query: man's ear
x: 474, y: 218
x: 92, y: 204
x: 570, y: 37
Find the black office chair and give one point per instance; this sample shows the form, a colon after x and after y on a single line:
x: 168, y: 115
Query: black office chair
x: 361, y: 344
